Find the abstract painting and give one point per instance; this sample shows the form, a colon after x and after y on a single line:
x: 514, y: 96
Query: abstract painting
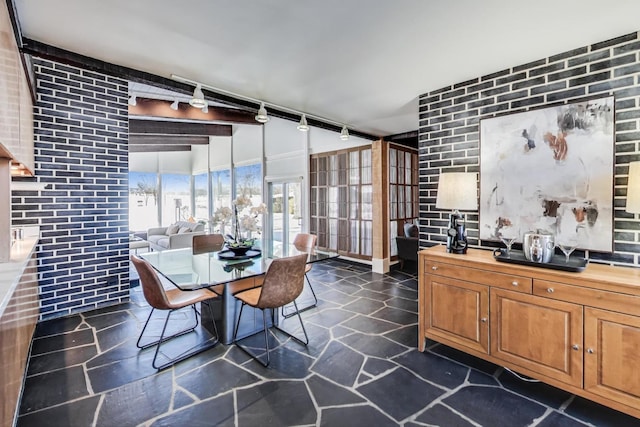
x: 549, y: 170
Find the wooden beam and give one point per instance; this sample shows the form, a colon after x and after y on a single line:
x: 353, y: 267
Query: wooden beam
x: 162, y: 108
x: 156, y: 148
x: 167, y: 140
x: 162, y: 127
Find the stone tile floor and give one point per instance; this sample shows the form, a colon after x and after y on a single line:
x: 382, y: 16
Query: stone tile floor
x: 361, y: 368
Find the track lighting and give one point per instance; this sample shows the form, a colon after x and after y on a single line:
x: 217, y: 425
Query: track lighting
x: 344, y: 135
x: 303, y: 126
x: 198, y: 100
x: 174, y: 105
x: 262, y: 116
x: 132, y: 100
x: 205, y: 109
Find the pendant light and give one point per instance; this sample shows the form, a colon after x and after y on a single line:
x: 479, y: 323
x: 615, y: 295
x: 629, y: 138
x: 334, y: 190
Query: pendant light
x: 198, y: 100
x: 344, y: 135
x: 205, y: 109
x: 174, y: 105
x: 133, y: 101
x: 262, y: 116
x: 303, y: 126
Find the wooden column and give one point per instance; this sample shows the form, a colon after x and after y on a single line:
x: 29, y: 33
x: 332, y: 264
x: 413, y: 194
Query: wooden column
x: 380, y: 178
x: 5, y: 214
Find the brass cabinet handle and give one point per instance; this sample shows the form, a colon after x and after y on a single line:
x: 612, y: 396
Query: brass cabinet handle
x: 514, y: 283
x: 483, y: 320
x: 550, y: 290
x: 575, y: 347
x: 590, y: 350
x: 434, y: 268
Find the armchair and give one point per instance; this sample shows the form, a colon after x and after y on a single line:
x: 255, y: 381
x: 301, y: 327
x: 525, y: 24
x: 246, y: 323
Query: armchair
x: 408, y: 245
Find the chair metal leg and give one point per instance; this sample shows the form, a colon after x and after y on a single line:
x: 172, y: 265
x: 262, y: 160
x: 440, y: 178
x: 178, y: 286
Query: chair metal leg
x: 243, y: 348
x: 161, y: 340
x: 301, y: 324
x: 315, y: 302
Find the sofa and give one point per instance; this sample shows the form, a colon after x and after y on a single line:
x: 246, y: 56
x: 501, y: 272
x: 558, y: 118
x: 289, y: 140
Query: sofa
x: 177, y: 235
x: 408, y: 245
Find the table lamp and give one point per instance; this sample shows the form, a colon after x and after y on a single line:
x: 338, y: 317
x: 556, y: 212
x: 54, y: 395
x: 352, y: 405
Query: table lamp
x: 457, y: 191
x: 633, y: 188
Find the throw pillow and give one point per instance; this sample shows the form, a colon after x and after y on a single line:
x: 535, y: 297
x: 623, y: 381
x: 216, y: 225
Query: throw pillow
x: 184, y: 230
x: 172, y: 229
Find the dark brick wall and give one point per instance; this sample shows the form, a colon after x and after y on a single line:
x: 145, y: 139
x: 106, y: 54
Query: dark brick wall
x: 449, y: 126
x: 81, y: 152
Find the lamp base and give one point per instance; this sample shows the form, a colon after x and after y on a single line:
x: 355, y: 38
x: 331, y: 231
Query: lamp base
x: 457, y: 234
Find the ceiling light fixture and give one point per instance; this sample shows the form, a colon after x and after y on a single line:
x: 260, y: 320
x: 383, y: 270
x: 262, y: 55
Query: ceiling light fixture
x: 198, y: 100
x: 205, y: 109
x: 132, y: 100
x: 262, y: 116
x: 303, y: 126
x: 344, y: 134
x: 174, y: 105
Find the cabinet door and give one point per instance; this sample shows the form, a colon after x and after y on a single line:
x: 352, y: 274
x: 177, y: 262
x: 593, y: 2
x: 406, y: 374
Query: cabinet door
x: 612, y: 356
x: 458, y: 312
x: 537, y: 333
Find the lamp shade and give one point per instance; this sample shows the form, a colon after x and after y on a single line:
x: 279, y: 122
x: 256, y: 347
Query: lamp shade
x: 458, y: 190
x: 262, y: 116
x: 633, y: 188
x: 198, y: 100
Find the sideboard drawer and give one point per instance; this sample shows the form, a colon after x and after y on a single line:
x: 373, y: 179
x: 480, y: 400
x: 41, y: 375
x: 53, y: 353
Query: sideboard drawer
x: 485, y: 277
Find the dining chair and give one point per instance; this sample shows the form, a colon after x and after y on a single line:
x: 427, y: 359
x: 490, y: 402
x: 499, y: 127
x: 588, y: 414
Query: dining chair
x: 207, y: 243
x: 170, y: 301
x: 306, y: 242
x: 282, y: 284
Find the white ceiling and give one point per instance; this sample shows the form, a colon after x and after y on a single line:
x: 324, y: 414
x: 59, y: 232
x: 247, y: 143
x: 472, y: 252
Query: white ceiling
x: 363, y: 63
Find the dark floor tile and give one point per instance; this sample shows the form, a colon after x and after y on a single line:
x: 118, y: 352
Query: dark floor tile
x: 284, y: 403
x: 395, y: 315
x: 376, y: 346
x: 411, y: 283
x: 339, y: 363
x: 327, y: 393
x: 109, y: 319
x: 598, y: 415
x: 57, y: 326
x: 464, y: 358
x: 555, y: 419
x: 285, y: 364
x: 137, y: 402
x: 364, y: 306
x: 401, y: 292
x: 118, y: 353
x: 369, y: 325
x: 62, y: 341
x: 213, y: 412
x: 214, y: 378
x: 539, y: 391
x: 400, y: 393
x: 378, y: 296
x: 407, y: 335
x: 330, y: 317
x: 403, y: 304
x: 121, y: 372
x: 440, y: 415
x: 375, y: 367
x: 53, y: 388
x: 336, y: 297
x: 60, y: 359
x: 477, y: 377
x: 355, y: 416
x: 379, y: 285
x: 363, y: 378
x: 345, y: 286
x: 77, y: 413
x: 181, y: 399
x: 434, y: 368
x: 356, y: 280
x: 493, y: 406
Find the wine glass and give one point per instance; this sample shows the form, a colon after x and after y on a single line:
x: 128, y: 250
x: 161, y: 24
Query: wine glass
x: 508, y: 235
x: 568, y: 241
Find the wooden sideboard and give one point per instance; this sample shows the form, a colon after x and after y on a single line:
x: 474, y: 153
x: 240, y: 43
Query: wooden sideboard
x: 576, y: 331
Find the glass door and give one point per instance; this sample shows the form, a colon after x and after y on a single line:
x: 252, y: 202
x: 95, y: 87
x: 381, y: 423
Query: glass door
x: 285, y: 211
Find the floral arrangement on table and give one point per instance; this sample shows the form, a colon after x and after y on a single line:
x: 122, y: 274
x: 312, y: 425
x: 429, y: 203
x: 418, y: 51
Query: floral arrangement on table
x: 245, y: 217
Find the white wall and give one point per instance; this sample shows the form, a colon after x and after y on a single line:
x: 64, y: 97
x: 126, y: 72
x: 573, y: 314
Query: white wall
x: 247, y: 144
x: 322, y: 140
x: 219, y: 152
x: 285, y: 149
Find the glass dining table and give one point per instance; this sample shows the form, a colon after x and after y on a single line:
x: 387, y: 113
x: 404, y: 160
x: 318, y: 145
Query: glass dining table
x: 226, y: 274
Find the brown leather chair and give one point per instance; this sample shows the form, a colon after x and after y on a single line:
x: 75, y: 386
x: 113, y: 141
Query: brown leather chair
x: 207, y: 243
x: 283, y: 283
x: 307, y: 242
x: 170, y: 300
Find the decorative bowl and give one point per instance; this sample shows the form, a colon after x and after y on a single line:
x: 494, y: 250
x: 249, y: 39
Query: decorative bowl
x: 239, y: 249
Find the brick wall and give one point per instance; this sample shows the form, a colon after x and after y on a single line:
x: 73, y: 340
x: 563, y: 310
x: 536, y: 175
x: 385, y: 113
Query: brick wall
x: 81, y: 153
x: 449, y: 126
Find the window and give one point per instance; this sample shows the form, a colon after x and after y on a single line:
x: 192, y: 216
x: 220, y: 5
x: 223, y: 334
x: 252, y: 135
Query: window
x: 143, y: 200
x: 341, y: 201
x: 403, y: 191
x: 176, y: 198
x: 201, y: 197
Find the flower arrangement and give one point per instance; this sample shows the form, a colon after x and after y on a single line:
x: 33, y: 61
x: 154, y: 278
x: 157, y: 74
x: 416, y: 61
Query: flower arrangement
x: 246, y: 221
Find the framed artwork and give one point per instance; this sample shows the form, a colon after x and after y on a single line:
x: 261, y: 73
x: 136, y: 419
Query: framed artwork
x: 551, y: 170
